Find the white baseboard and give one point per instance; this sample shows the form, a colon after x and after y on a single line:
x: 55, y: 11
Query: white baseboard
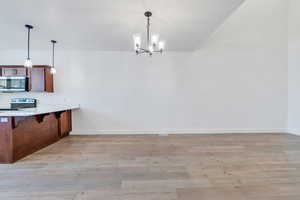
x: 176, y: 131
x: 294, y: 132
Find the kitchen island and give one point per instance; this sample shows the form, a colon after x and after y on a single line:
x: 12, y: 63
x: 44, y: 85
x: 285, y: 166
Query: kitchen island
x: 28, y: 130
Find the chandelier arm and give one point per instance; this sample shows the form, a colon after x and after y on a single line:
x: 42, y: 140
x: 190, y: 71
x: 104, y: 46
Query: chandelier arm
x: 143, y: 49
x: 142, y: 52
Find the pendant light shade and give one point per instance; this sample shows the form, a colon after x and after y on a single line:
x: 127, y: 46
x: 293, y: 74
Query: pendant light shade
x: 28, y: 62
x: 53, y: 70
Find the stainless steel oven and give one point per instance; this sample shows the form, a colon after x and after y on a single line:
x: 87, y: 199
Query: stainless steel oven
x: 13, y: 83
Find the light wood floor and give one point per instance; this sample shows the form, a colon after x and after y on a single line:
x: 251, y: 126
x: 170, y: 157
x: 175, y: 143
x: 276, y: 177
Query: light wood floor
x: 149, y: 167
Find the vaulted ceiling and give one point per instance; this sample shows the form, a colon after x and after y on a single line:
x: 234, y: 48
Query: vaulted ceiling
x: 110, y: 24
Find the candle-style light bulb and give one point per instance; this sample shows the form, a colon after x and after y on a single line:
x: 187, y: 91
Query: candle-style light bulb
x: 154, y: 39
x: 151, y: 49
x: 137, y: 41
x: 161, y: 45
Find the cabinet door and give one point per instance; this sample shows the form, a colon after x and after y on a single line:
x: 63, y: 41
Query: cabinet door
x: 49, y: 83
x: 37, y: 80
x: 65, y: 123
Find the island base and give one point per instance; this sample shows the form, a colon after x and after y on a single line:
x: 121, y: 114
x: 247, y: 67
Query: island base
x: 22, y: 136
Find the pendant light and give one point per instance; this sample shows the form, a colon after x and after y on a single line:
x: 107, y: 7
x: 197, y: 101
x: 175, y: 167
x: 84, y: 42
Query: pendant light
x: 28, y: 62
x: 53, y: 70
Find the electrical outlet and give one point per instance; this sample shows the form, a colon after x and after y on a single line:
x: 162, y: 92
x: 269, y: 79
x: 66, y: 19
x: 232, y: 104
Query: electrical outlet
x: 164, y: 132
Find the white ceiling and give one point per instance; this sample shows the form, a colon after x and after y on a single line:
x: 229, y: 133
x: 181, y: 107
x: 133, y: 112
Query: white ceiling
x: 110, y: 24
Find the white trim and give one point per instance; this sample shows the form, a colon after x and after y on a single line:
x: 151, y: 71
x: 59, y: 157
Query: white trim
x: 294, y: 132
x: 176, y: 131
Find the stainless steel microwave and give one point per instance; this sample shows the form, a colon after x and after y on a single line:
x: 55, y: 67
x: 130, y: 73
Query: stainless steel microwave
x: 13, y: 83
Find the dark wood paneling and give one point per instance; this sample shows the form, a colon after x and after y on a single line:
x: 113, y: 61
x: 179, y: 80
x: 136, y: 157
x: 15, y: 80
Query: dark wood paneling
x: 49, y: 82
x: 65, y: 123
x: 21, y: 136
x: 32, y: 135
x: 6, y: 145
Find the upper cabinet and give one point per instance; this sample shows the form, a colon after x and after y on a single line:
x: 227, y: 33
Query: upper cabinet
x: 39, y: 76
x: 13, y: 71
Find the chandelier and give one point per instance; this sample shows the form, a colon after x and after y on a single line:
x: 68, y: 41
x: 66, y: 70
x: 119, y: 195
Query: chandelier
x: 153, y: 44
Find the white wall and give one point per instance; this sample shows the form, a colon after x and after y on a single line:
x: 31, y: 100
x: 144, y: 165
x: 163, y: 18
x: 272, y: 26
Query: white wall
x: 236, y: 82
x: 294, y: 69
x: 244, y: 69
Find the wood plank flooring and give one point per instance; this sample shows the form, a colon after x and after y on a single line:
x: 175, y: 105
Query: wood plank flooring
x: 151, y: 167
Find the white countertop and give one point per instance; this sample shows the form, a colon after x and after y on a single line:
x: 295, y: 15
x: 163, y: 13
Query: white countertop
x: 41, y: 109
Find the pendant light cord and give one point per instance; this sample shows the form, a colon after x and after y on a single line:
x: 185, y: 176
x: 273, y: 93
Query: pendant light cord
x: 53, y: 54
x: 53, y: 47
x: 29, y: 27
x: 28, y: 44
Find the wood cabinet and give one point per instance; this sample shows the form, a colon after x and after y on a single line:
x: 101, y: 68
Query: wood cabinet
x: 40, y: 78
x: 65, y: 123
x: 49, y: 84
x: 23, y: 135
x: 13, y: 71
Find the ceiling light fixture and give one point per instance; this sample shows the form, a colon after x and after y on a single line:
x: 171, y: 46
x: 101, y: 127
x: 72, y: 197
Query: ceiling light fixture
x: 153, y: 43
x: 53, y: 70
x: 28, y: 62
